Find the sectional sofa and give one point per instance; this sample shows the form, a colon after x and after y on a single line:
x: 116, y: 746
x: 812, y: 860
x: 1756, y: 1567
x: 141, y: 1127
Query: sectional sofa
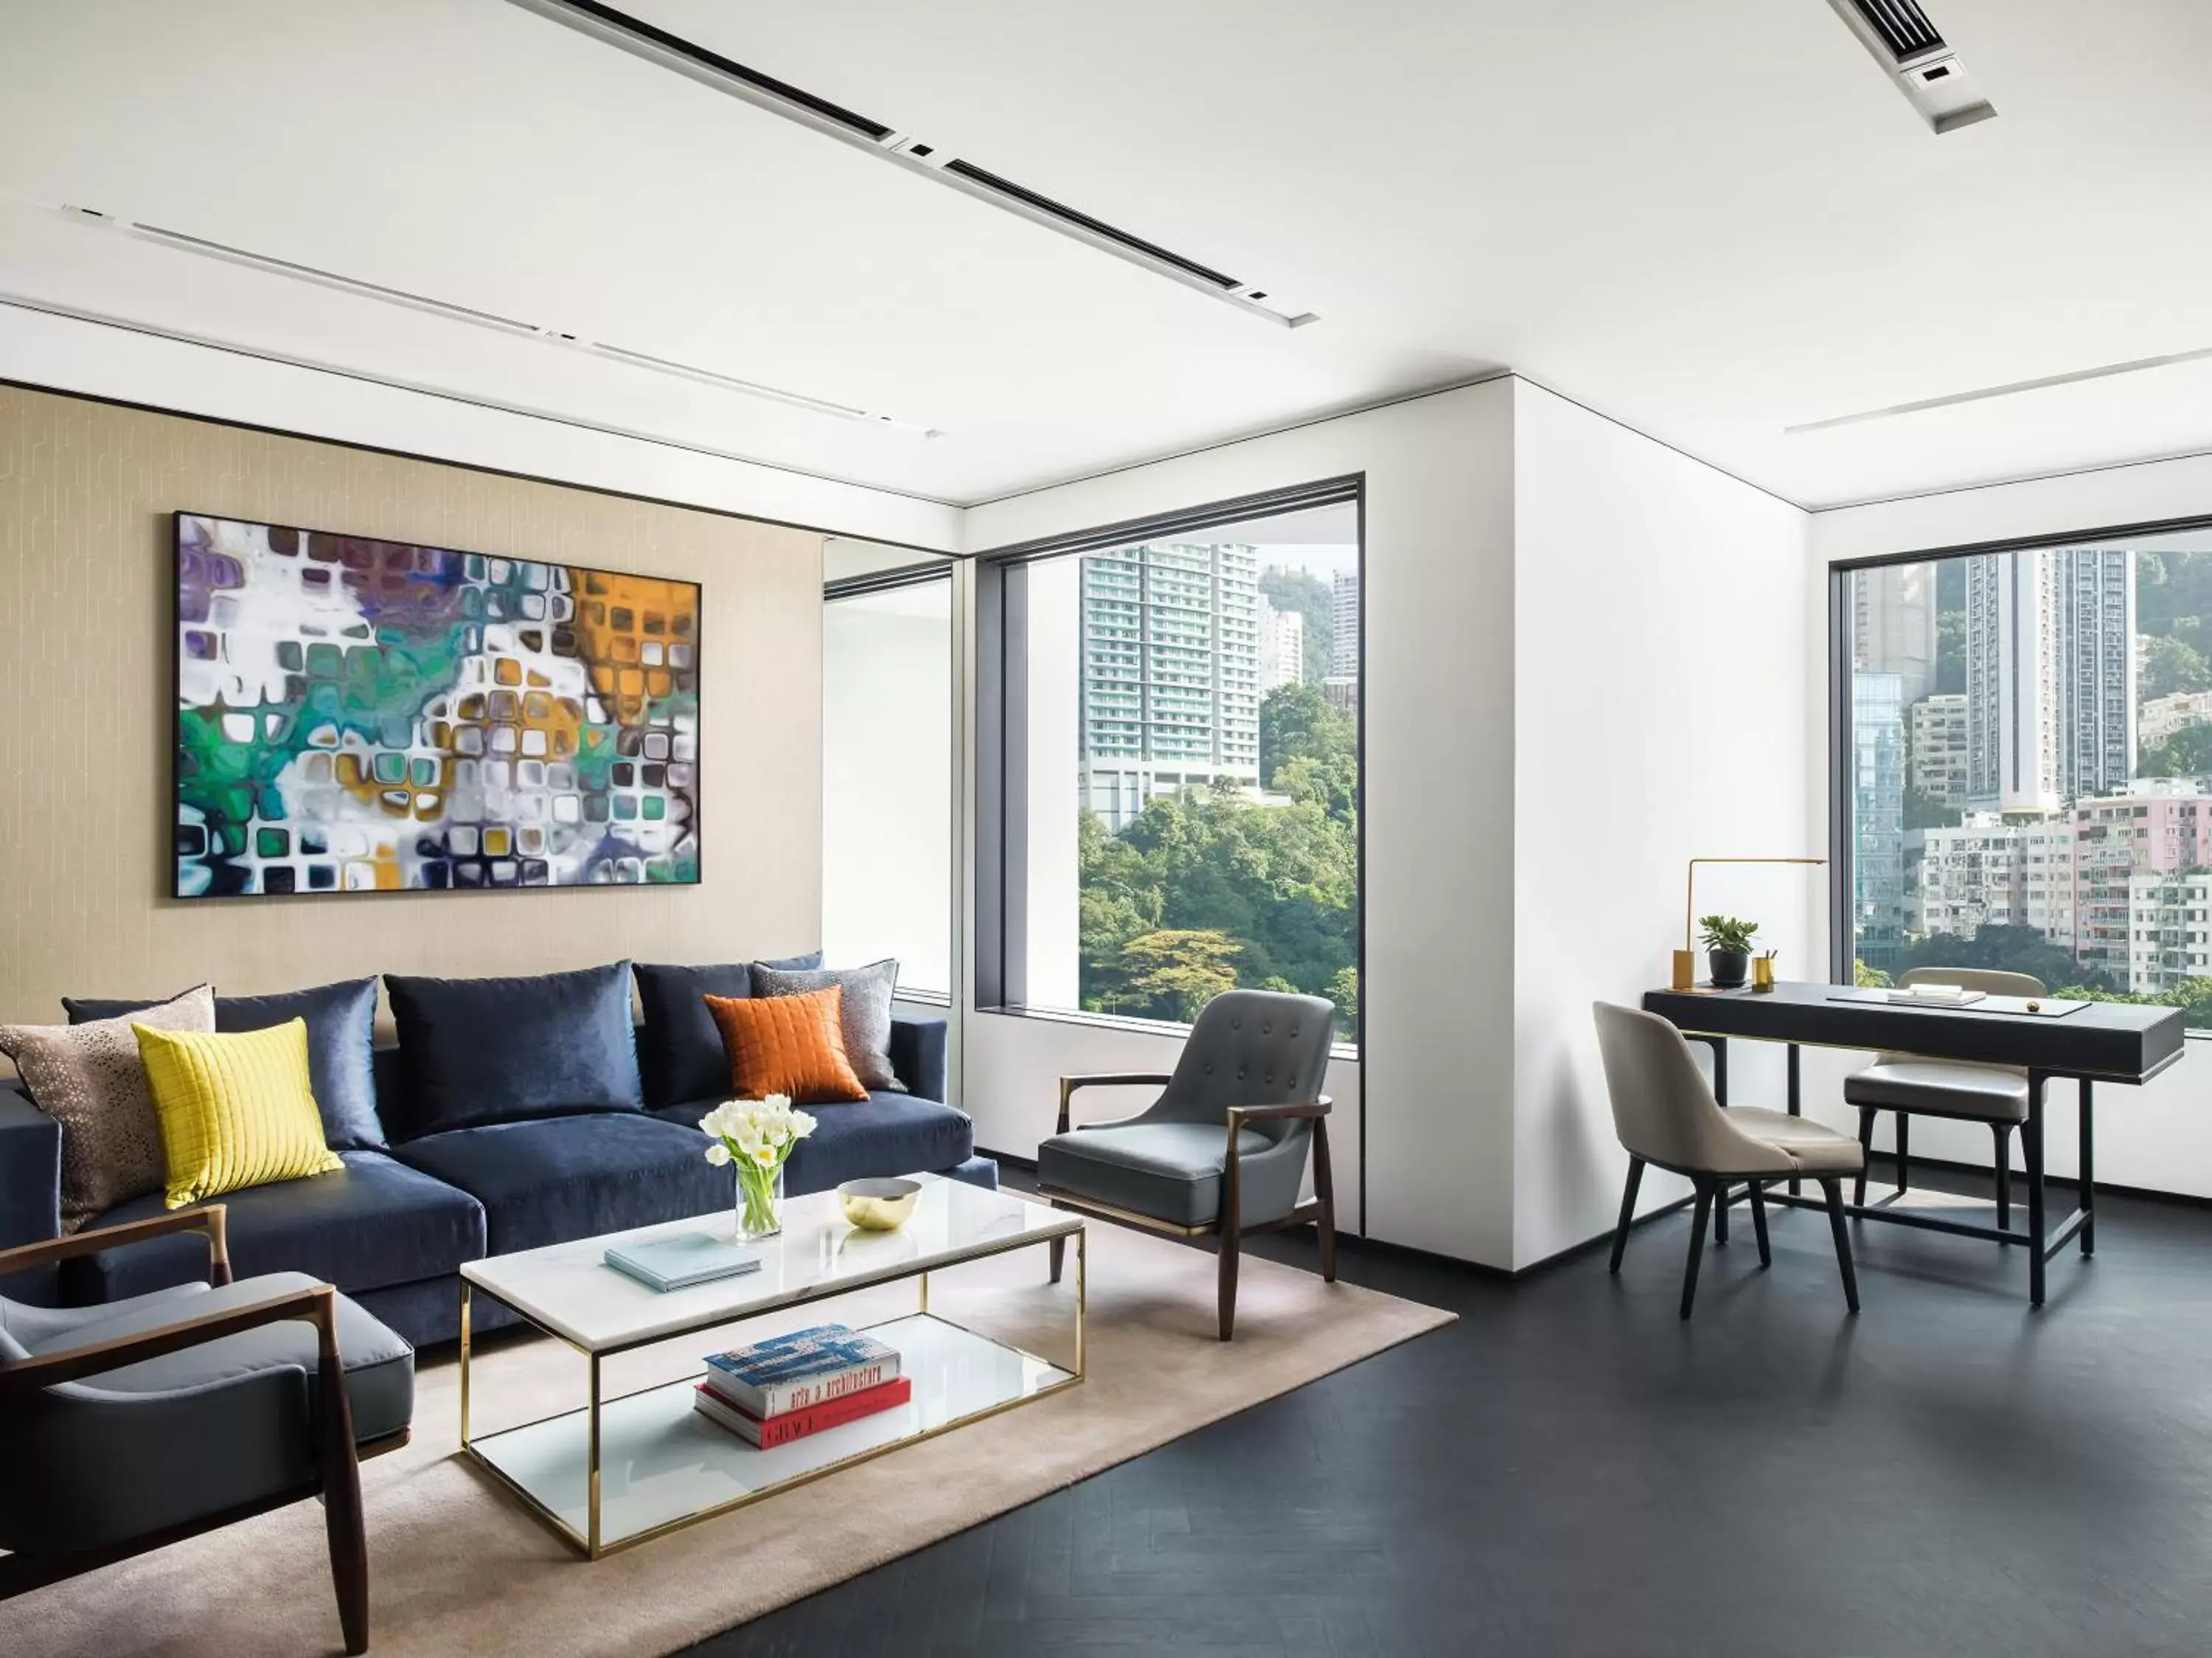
x: 508, y: 1114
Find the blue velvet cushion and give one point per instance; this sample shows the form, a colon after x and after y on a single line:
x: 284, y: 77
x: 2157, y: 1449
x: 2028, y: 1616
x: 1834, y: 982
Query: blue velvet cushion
x: 884, y: 1134
x: 341, y: 1022
x: 566, y: 1177
x: 494, y: 1049
x: 373, y: 1223
x: 680, y: 1050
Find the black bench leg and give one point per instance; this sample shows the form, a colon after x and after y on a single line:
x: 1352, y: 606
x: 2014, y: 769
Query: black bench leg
x: 1904, y: 1151
x: 2002, y: 1132
x: 1865, y: 1145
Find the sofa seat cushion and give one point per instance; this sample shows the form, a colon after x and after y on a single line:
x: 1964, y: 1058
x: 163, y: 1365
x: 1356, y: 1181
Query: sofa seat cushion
x: 883, y: 1134
x: 374, y: 1222
x: 1167, y: 1170
x: 564, y: 1177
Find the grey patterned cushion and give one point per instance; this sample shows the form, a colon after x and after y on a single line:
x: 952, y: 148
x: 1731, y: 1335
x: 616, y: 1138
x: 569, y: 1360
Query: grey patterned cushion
x: 89, y: 1079
x: 867, y: 1006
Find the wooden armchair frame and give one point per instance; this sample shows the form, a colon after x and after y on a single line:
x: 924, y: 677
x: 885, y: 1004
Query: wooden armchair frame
x: 1229, y: 1226
x: 337, y: 1479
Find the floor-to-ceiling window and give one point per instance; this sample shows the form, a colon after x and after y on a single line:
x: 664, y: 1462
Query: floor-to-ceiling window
x: 2026, y: 764
x: 1174, y: 765
x: 887, y: 763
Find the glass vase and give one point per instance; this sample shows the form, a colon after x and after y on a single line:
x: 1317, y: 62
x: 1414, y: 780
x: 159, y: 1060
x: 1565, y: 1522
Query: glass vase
x: 759, y: 1205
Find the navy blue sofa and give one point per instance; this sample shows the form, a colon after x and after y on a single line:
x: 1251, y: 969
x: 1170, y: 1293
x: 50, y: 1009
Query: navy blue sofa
x: 392, y: 1229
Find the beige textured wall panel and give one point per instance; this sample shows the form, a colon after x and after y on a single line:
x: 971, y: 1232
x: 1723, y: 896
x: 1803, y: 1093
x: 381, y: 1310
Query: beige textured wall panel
x: 86, y: 491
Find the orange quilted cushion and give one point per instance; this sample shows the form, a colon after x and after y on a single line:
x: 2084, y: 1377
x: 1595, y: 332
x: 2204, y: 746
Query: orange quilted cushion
x: 790, y: 1044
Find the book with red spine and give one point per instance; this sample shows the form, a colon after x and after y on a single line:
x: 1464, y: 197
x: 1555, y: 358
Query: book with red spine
x: 810, y: 1419
x: 801, y: 1369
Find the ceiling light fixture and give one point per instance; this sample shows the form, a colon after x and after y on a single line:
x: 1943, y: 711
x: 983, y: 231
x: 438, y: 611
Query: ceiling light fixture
x: 2073, y: 377
x: 688, y: 58
x: 201, y: 246
x: 1919, y: 62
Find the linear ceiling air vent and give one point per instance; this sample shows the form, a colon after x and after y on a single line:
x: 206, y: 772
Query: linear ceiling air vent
x: 1912, y: 52
x: 673, y: 52
x: 294, y: 271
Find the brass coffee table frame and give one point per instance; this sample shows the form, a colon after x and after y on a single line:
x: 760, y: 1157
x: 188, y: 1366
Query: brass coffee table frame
x: 588, y: 1542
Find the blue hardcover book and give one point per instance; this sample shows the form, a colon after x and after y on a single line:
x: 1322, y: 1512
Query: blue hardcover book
x: 678, y: 1263
x: 805, y: 1368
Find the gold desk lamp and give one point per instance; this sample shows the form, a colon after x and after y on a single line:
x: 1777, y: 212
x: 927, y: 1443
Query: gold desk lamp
x: 1685, y: 959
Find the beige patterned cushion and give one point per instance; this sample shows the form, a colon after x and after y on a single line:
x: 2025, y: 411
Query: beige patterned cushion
x: 89, y: 1078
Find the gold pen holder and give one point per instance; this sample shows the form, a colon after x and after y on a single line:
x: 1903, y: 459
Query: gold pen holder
x: 1685, y: 970
x: 1762, y: 972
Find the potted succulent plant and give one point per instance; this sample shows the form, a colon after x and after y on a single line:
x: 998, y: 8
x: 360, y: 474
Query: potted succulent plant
x: 1727, y: 949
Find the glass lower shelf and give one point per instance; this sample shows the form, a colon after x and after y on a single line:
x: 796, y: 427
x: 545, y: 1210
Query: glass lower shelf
x: 662, y: 1464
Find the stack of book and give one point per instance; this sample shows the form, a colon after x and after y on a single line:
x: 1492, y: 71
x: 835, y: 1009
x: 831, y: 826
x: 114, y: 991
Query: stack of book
x: 789, y: 1387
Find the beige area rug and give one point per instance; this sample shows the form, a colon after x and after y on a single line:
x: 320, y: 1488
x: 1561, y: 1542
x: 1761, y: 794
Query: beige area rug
x: 457, y: 1567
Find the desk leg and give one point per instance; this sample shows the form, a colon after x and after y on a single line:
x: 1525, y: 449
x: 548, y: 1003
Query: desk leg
x: 1796, y: 1103
x: 2088, y: 1169
x: 1720, y: 1194
x: 1720, y: 1069
x: 2031, y: 1138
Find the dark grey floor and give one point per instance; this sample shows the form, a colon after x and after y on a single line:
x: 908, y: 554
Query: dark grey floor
x: 1570, y: 1470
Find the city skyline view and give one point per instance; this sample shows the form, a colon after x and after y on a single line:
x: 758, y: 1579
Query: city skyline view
x: 1218, y: 768
x: 2031, y: 768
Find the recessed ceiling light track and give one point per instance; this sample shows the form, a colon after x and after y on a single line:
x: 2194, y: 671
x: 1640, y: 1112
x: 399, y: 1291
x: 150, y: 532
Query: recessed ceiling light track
x: 292, y: 270
x: 672, y: 52
x: 1982, y: 394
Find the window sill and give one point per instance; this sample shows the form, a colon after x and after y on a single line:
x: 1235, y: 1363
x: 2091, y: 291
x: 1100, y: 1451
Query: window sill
x: 923, y: 998
x: 1344, y: 1051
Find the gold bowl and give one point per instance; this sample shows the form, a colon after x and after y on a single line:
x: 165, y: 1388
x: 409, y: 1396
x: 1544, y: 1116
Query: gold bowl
x: 878, y: 1205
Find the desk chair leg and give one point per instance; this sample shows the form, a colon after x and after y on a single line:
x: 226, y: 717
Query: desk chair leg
x: 1759, y: 1222
x: 2031, y: 1146
x: 2088, y: 1171
x: 1865, y: 1145
x: 1628, y: 1211
x: 2002, y: 1161
x: 1698, y: 1215
x: 1904, y: 1151
x: 1057, y: 1251
x: 1832, y: 1189
x: 1720, y: 1212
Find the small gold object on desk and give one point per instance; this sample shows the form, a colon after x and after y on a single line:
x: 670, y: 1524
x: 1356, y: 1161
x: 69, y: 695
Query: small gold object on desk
x: 1685, y: 959
x: 878, y: 1205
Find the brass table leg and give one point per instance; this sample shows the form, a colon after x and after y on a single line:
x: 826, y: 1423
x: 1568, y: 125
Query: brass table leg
x: 1082, y: 1276
x: 591, y: 1539
x: 465, y: 1364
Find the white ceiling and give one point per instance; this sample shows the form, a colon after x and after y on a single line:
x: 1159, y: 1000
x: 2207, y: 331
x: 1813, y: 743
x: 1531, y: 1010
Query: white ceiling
x: 1712, y: 220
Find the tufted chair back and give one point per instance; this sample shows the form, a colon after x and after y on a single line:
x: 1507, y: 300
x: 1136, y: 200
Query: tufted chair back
x: 1250, y: 1048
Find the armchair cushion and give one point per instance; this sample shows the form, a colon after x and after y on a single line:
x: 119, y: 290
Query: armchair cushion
x: 883, y: 1134
x: 373, y: 1223
x: 1165, y: 1171
x: 194, y: 1433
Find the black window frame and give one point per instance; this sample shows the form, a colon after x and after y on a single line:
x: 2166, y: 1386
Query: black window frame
x: 1001, y: 737
x: 1843, y: 938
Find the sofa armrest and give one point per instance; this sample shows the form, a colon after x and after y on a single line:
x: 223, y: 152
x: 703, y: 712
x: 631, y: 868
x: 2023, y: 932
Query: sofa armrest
x: 918, y: 1054
x: 30, y: 1187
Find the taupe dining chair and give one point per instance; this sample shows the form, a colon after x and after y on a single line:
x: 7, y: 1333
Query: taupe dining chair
x: 1994, y: 1094
x: 1664, y: 1113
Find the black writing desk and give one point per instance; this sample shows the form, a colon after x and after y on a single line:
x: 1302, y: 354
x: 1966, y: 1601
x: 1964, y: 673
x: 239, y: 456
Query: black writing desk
x: 2094, y: 1042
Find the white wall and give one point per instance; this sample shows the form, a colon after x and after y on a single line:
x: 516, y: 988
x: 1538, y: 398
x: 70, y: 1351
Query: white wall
x: 1659, y: 714
x: 2158, y: 1136
x: 887, y: 715
x: 66, y: 355
x: 1437, y: 1065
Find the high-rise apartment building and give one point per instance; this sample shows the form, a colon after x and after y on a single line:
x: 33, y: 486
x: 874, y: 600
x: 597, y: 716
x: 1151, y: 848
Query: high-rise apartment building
x: 1878, y: 816
x: 2051, y: 676
x: 1344, y: 626
x: 1937, y: 728
x: 1171, y: 690
x: 1282, y: 647
x: 1894, y: 625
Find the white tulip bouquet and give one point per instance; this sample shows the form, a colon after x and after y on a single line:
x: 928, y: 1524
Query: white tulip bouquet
x: 756, y: 1137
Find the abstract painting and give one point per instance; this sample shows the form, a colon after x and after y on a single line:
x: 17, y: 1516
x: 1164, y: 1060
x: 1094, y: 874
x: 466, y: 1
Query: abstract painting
x: 359, y: 716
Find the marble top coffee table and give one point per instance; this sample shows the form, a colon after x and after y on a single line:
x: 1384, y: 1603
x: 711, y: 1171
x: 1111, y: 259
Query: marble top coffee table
x: 616, y: 1471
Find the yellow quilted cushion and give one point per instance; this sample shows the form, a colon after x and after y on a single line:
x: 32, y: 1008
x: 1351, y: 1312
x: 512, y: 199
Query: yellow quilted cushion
x: 236, y: 1109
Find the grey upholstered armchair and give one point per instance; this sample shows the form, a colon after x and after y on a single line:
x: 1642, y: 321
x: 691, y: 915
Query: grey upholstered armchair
x: 1224, y: 1148
x: 134, y: 1424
